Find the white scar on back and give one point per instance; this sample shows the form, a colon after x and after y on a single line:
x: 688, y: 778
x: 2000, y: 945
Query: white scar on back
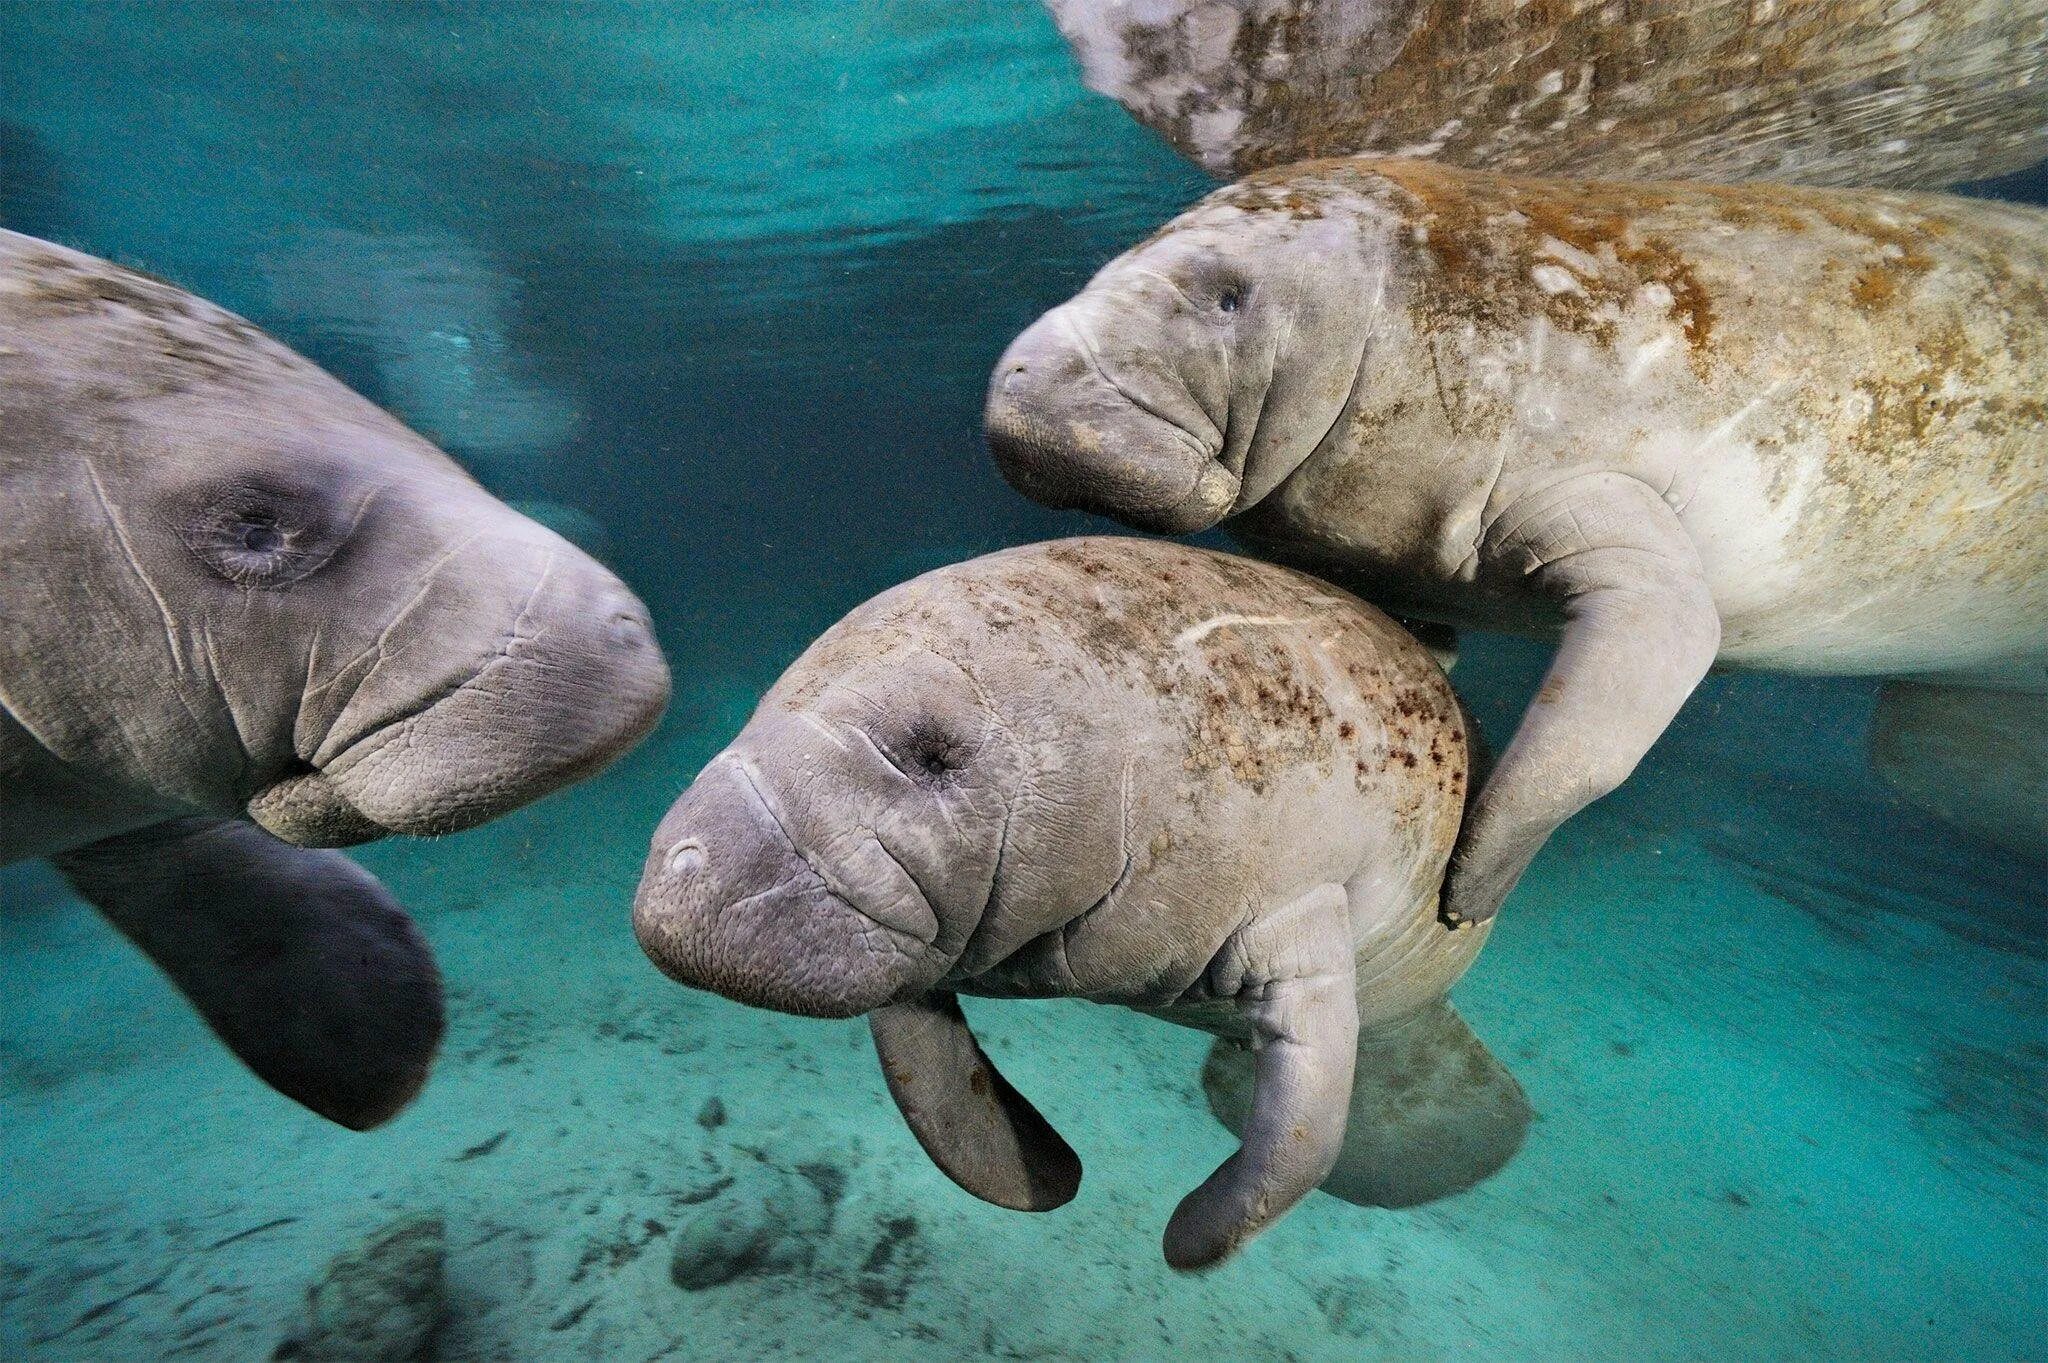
x: 1727, y: 428
x: 1194, y: 634
x: 1646, y: 355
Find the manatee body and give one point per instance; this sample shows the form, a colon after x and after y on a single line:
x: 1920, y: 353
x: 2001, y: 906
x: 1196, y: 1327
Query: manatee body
x: 1777, y: 428
x: 1125, y: 771
x: 1826, y: 92
x: 233, y: 590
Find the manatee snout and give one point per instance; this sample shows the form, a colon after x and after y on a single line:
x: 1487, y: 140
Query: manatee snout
x: 520, y: 666
x: 572, y: 678
x: 728, y: 903
x: 1065, y: 433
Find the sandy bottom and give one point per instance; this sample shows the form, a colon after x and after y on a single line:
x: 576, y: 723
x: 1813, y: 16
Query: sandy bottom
x: 1786, y: 1040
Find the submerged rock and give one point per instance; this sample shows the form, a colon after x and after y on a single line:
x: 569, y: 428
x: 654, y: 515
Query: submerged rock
x: 765, y: 1220
x: 379, y: 1302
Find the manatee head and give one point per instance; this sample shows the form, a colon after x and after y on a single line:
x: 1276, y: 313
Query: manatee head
x: 1197, y: 370
x: 887, y: 816
x: 236, y: 586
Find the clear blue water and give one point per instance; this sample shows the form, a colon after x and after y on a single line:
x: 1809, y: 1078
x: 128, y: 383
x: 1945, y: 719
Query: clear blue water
x: 720, y: 284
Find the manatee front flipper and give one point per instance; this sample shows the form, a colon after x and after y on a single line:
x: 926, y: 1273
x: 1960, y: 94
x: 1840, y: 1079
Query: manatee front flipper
x: 1432, y: 1112
x: 1640, y: 632
x: 1290, y: 973
x: 981, y: 1132
x: 299, y: 960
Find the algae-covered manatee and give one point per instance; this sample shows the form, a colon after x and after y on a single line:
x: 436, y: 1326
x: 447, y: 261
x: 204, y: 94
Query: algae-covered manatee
x: 1669, y: 425
x: 1826, y: 92
x: 1124, y: 771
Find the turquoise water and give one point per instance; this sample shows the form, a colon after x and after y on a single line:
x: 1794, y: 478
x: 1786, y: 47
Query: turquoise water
x: 716, y: 288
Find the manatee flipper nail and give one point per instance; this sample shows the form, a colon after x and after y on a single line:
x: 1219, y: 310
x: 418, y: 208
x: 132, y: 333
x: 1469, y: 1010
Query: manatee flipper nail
x: 1294, y: 973
x: 981, y: 1132
x: 1432, y: 1112
x: 299, y: 960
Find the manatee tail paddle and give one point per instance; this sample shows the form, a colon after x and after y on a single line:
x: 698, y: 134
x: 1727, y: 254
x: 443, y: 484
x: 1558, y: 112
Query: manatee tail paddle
x: 1432, y: 1112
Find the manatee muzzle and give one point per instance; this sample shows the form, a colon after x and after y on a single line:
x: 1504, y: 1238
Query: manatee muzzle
x: 1066, y: 435
x: 729, y: 902
x: 439, y: 738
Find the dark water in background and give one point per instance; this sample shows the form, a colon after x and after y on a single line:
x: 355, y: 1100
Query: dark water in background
x: 727, y: 281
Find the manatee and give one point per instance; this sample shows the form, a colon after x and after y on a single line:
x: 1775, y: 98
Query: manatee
x: 1669, y: 425
x: 246, y: 616
x: 1130, y: 772
x: 1824, y: 92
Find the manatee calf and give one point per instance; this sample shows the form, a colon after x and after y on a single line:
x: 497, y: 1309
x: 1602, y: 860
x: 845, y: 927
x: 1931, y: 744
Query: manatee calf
x: 233, y: 590
x: 1130, y: 772
x: 1828, y: 92
x: 1672, y: 424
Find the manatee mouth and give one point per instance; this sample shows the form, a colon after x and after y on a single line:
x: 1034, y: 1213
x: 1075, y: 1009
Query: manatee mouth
x: 306, y: 809
x: 427, y: 745
x: 730, y: 902
x: 1066, y: 434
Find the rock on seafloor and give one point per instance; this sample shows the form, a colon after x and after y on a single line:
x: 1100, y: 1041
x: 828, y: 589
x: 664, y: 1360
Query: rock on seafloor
x: 761, y: 1220
x: 378, y: 1302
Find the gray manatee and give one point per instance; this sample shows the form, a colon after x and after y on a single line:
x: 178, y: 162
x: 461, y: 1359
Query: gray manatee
x: 1125, y: 771
x: 1670, y: 425
x: 1828, y: 92
x: 233, y: 590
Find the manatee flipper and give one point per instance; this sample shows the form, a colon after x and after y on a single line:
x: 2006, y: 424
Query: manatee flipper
x: 1432, y: 1112
x: 299, y: 960
x: 1292, y: 974
x: 1974, y: 757
x: 1640, y: 632
x: 981, y: 1132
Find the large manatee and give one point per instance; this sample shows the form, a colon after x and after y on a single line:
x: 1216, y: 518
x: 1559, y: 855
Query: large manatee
x: 1669, y: 424
x: 232, y: 590
x: 1125, y: 771
x: 1827, y: 92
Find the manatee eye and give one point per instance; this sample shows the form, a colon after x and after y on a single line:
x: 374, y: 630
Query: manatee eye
x: 260, y: 537
x: 931, y: 757
x: 1230, y: 300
